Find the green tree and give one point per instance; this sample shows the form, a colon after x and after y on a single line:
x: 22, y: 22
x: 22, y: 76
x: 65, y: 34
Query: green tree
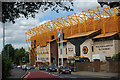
x: 7, y: 57
x: 15, y: 56
x: 19, y: 54
x: 9, y: 50
x: 6, y: 66
x: 116, y: 56
x: 112, y: 4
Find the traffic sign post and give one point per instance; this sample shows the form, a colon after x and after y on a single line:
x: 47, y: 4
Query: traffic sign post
x: 23, y: 59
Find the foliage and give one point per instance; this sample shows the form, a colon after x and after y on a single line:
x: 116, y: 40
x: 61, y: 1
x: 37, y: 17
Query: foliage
x: 116, y: 56
x: 111, y: 4
x: 9, y: 50
x: 13, y: 10
x: 15, y: 56
x: 6, y: 66
x: 19, y: 54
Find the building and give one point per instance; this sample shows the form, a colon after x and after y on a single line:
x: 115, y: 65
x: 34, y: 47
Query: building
x: 68, y: 50
x: 85, y: 34
x: 43, y: 56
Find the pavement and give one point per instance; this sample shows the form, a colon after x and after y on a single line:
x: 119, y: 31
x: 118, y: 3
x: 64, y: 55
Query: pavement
x: 17, y: 73
x: 96, y: 74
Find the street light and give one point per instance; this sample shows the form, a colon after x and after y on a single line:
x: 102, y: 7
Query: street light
x: 3, y: 35
x: 62, y: 47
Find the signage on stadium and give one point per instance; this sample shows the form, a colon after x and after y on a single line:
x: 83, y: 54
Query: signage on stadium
x: 70, y: 49
x: 85, y: 50
x: 104, y: 47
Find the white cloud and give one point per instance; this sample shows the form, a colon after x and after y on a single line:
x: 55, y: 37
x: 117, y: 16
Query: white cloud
x: 83, y: 5
x: 85, y: 0
x: 15, y: 33
x: 44, y: 22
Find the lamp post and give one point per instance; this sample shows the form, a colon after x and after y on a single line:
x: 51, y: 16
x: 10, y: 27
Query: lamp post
x: 58, y: 48
x: 3, y: 35
x: 49, y: 49
x: 61, y: 47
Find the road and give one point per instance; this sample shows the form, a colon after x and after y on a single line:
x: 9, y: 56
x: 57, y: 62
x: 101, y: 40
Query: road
x: 50, y: 75
x: 19, y: 73
x: 41, y: 72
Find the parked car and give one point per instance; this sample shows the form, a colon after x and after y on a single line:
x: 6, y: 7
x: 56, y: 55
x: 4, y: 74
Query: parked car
x: 23, y: 67
x: 64, y: 69
x: 32, y: 67
x: 83, y: 59
x: 52, y: 68
x: 28, y: 67
x: 18, y: 66
x: 42, y: 68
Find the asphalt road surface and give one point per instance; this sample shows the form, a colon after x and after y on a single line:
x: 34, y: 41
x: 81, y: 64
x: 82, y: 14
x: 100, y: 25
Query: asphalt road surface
x: 44, y: 75
x: 56, y: 76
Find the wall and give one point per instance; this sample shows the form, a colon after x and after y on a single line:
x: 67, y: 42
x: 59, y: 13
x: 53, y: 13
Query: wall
x: 114, y: 66
x: 32, y: 59
x: 64, y: 51
x: 77, y: 42
x: 111, y: 66
x: 119, y: 45
x: 43, y: 57
x: 88, y: 43
x: 116, y: 46
x: 88, y: 66
x: 108, y: 48
x: 54, y: 50
x: 70, y: 50
x: 104, y: 47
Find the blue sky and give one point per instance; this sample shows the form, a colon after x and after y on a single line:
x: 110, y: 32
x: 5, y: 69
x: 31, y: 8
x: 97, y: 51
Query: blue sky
x: 15, y: 33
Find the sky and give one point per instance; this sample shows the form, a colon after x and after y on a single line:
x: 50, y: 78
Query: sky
x: 15, y: 33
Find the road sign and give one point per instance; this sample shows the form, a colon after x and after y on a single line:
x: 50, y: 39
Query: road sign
x: 23, y: 59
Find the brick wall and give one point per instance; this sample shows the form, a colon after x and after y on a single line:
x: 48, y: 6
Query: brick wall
x: 88, y: 66
x: 97, y: 66
x: 84, y: 66
x: 114, y: 66
x: 54, y: 51
x: 110, y: 66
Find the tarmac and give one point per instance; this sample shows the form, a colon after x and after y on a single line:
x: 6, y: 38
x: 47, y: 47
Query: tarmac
x: 18, y: 73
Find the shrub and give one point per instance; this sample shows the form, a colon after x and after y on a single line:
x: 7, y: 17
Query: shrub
x: 116, y: 56
x: 6, y: 66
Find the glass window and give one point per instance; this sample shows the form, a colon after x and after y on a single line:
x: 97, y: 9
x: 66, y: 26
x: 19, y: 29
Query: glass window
x: 92, y: 49
x: 66, y: 50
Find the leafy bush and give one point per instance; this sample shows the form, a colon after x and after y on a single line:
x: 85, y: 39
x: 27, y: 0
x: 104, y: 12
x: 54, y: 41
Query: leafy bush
x: 116, y: 56
x: 6, y: 66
